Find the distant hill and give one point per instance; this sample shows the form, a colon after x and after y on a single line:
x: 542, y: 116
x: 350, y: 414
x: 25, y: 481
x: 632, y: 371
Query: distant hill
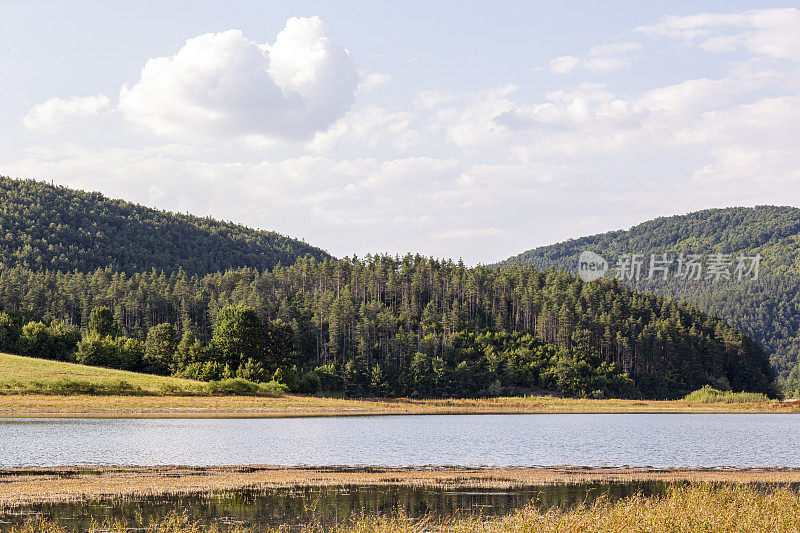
x: 57, y: 228
x: 768, y: 309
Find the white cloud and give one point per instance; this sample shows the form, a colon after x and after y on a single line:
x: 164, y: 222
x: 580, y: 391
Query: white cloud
x: 467, y: 234
x: 224, y: 85
x: 601, y: 58
x: 367, y: 127
x: 372, y: 80
x: 469, y: 119
x: 564, y: 64
x: 51, y: 115
x: 773, y: 33
x: 503, y: 167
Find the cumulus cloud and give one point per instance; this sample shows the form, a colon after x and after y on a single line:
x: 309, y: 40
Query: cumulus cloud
x: 367, y: 127
x: 224, y: 85
x: 469, y: 118
x: 51, y: 115
x: 448, y: 169
x: 773, y: 33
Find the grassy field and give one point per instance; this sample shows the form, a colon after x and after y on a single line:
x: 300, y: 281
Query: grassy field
x: 24, y: 373
x: 30, y: 388
x: 288, y: 405
x: 709, y: 508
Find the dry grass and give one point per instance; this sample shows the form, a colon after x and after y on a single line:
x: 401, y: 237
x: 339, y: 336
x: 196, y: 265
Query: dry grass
x: 20, y: 487
x: 693, y: 508
x: 33, y: 405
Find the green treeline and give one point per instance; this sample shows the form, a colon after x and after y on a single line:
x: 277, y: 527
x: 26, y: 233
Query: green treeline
x: 387, y: 326
x: 44, y: 227
x: 767, y: 309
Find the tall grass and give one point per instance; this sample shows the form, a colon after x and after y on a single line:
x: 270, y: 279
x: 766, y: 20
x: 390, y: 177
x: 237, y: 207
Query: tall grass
x: 709, y: 394
x: 690, y: 508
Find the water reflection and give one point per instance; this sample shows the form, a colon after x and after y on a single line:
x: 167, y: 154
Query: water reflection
x: 259, y: 509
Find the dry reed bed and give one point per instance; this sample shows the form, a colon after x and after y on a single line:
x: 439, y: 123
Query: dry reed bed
x: 32, y: 405
x: 19, y: 487
x: 707, y: 508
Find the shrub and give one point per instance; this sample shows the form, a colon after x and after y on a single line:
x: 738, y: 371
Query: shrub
x: 310, y: 383
x: 244, y: 387
x: 159, y: 348
x: 201, y: 371
x: 56, y: 341
x: 709, y: 394
x: 110, y: 352
x: 67, y: 386
x: 101, y: 322
x: 287, y: 376
x: 251, y: 370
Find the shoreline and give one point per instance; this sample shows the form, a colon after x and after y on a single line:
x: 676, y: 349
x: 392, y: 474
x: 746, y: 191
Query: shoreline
x: 30, y: 486
x: 287, y: 406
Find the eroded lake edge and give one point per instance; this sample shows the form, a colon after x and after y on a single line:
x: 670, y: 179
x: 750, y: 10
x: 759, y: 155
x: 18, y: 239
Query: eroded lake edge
x: 25, y: 486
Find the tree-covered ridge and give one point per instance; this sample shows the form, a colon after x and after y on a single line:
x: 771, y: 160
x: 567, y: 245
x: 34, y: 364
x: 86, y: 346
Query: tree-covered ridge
x: 411, y: 325
x: 768, y: 309
x: 45, y: 227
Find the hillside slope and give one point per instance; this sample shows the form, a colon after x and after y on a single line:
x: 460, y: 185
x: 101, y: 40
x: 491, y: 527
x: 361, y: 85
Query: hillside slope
x: 56, y: 228
x: 18, y: 372
x: 768, y: 309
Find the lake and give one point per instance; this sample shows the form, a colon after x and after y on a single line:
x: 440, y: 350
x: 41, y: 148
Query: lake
x: 643, y: 440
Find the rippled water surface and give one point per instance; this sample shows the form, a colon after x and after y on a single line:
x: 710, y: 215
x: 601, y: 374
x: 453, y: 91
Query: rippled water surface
x: 656, y: 440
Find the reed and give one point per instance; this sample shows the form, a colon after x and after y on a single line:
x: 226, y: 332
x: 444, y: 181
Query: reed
x: 710, y: 508
x: 20, y: 487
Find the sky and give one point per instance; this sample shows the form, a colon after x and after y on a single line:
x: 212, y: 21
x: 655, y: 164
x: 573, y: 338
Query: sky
x: 473, y: 130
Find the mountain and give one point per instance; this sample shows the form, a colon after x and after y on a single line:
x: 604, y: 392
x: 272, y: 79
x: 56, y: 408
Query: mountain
x: 767, y: 308
x: 46, y: 227
x: 381, y: 325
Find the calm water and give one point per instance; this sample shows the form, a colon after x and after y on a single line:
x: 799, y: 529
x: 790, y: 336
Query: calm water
x: 657, y: 440
x: 257, y: 509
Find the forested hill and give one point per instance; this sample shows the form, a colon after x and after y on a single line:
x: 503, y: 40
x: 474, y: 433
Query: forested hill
x: 767, y: 308
x: 47, y: 227
x: 381, y: 326
x: 110, y: 283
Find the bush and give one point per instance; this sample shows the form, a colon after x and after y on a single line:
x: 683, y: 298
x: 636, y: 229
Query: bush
x: 160, y: 348
x: 10, y: 328
x: 709, y: 394
x: 310, y: 383
x: 243, y: 387
x: 101, y: 322
x: 201, y: 371
x: 110, y: 352
x: 273, y: 388
x: 56, y: 341
x: 67, y: 386
x: 251, y: 370
x: 494, y: 390
x: 287, y: 376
